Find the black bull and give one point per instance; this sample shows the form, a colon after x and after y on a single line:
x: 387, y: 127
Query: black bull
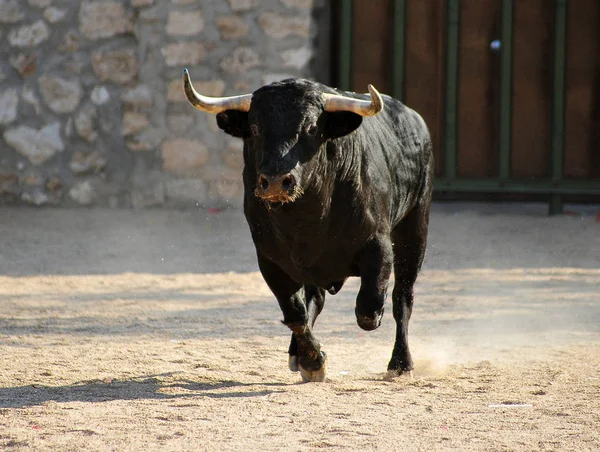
x: 328, y: 195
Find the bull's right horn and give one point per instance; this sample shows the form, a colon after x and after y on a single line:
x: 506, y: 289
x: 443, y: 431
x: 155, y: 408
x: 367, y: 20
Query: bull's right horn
x: 336, y: 102
x: 214, y: 105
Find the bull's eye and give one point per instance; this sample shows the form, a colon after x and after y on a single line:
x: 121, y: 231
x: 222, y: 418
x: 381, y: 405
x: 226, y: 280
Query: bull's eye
x: 312, y: 130
x: 254, y: 130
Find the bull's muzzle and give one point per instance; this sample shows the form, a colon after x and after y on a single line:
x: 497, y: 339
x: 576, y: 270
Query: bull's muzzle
x: 279, y: 188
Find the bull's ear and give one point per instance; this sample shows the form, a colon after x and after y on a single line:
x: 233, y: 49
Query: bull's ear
x: 341, y: 123
x: 234, y: 122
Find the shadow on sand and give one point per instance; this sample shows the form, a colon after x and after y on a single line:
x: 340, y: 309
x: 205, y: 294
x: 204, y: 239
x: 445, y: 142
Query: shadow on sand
x: 147, y: 387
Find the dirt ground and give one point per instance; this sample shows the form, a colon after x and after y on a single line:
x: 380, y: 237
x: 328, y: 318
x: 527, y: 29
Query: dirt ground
x: 153, y: 331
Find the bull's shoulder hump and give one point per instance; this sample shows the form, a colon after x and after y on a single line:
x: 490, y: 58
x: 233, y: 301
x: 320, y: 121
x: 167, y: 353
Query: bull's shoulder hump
x: 399, y: 112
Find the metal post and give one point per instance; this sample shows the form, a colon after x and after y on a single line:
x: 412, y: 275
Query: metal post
x: 558, y: 100
x: 451, y: 117
x: 506, y: 57
x: 345, y: 58
x: 398, y: 48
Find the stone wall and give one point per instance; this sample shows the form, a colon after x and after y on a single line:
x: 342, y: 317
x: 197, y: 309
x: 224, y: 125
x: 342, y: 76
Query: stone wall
x: 91, y: 106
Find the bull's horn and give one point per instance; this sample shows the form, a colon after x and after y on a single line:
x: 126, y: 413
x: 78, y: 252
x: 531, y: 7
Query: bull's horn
x: 334, y: 102
x: 214, y: 105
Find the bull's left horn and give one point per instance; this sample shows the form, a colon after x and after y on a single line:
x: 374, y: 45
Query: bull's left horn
x: 213, y: 105
x: 335, y: 102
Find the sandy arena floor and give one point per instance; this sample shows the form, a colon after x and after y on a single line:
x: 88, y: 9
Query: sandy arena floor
x: 153, y: 331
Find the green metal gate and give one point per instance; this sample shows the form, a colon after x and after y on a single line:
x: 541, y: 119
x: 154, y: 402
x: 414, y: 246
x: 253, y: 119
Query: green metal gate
x: 554, y: 187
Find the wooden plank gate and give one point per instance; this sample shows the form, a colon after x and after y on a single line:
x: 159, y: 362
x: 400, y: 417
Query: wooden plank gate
x: 510, y: 89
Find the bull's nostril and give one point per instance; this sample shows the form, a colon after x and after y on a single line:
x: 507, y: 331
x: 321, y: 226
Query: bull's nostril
x: 263, y: 182
x: 288, y: 182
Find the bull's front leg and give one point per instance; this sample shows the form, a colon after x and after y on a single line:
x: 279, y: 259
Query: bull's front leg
x: 375, y: 266
x: 315, y: 300
x: 297, y: 314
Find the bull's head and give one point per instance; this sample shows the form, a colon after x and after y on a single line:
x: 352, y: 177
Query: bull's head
x: 286, y: 126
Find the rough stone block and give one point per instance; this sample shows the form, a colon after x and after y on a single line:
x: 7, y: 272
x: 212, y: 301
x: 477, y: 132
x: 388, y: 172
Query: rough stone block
x: 139, y: 97
x: 242, y: 5
x: 279, y: 26
x: 83, y: 193
x: 100, y: 19
x: 54, y: 15
x: 182, y: 53
x: 118, y: 66
x: 9, y: 101
x: 232, y: 27
x: 54, y: 184
x: 181, y: 156
x: 32, y: 178
x: 25, y: 63
x: 10, y: 12
x: 99, y: 95
x: 136, y: 144
x: 134, y: 123
x: 37, y: 145
x: 29, y: 35
x: 241, y: 60
x: 35, y: 197
x: 185, y: 23
x: 61, y: 95
x: 87, y: 162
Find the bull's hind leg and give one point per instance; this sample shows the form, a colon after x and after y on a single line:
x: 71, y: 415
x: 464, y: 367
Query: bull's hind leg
x: 375, y: 266
x: 409, y: 241
x: 298, y: 315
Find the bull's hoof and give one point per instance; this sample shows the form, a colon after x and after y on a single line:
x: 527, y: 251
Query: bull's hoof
x: 397, y: 373
x: 309, y: 370
x: 400, y: 365
x: 315, y: 376
x: 369, y: 322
